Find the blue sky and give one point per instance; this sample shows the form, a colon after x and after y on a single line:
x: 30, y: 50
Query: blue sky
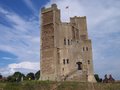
x: 20, y: 33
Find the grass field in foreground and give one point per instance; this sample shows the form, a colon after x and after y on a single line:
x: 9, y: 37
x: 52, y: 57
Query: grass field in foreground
x: 48, y: 85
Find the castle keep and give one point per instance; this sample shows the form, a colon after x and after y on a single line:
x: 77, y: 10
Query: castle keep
x: 66, y: 50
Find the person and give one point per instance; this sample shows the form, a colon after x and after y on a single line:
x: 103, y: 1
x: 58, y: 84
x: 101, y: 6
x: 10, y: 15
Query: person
x: 105, y: 80
x: 111, y: 79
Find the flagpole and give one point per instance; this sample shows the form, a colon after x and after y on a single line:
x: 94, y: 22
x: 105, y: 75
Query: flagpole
x: 68, y: 12
x: 67, y: 8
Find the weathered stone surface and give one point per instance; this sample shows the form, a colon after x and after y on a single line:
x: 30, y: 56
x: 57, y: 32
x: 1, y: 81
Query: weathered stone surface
x: 66, y: 51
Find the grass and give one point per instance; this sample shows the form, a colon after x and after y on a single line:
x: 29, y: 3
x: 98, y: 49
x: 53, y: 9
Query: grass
x: 2, y: 85
x: 48, y: 85
x: 72, y: 86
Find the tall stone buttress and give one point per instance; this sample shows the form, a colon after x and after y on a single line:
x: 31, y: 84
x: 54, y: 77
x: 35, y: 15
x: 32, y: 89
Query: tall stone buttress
x: 66, y: 50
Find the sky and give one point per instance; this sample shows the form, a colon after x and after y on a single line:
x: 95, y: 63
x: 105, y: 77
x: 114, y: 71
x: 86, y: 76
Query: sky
x: 20, y: 33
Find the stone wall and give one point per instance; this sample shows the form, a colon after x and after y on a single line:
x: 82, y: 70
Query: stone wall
x: 66, y: 51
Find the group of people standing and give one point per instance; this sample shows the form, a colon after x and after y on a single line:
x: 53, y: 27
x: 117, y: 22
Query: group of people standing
x: 109, y: 79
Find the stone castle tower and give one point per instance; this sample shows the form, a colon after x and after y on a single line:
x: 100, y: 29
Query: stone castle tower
x: 66, y: 51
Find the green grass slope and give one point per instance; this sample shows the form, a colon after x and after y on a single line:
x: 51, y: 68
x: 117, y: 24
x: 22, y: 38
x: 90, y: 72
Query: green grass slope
x: 46, y: 85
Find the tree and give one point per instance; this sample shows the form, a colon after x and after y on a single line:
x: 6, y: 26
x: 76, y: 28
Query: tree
x: 37, y: 75
x: 18, y: 76
x: 30, y: 76
x: 97, y: 78
x: 0, y: 76
x: 11, y: 79
x: 15, y: 77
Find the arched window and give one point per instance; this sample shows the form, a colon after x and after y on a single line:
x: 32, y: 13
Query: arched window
x: 79, y: 65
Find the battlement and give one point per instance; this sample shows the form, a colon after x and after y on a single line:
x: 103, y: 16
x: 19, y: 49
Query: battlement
x: 78, y: 17
x: 53, y: 7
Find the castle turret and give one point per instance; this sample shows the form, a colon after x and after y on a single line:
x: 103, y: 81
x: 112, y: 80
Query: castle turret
x: 50, y: 22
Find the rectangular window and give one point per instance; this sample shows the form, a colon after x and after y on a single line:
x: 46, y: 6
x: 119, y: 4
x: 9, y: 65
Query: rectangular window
x: 64, y: 41
x: 68, y: 42
x: 63, y: 69
x: 63, y: 61
x: 88, y: 61
x: 83, y: 49
x: 86, y: 48
x: 67, y: 61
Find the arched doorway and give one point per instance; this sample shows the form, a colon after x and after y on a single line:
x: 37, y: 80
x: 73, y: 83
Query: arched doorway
x: 79, y: 64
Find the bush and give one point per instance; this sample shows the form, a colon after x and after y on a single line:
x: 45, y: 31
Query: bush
x: 97, y: 78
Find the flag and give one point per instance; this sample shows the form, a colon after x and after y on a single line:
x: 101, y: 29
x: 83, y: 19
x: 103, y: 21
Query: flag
x: 67, y: 7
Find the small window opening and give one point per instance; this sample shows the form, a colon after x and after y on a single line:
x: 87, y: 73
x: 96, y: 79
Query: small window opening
x: 71, y: 42
x: 64, y: 41
x: 83, y: 49
x: 86, y: 48
x: 79, y: 65
x: 68, y: 42
x: 88, y: 61
x: 67, y: 61
x: 63, y: 69
x: 63, y: 61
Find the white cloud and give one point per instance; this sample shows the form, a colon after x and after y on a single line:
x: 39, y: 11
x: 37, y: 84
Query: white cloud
x: 30, y: 5
x: 71, y: 11
x: 22, y: 38
x: 25, y: 65
x: 3, y: 11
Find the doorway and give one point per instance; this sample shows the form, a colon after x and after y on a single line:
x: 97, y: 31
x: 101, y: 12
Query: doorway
x: 79, y: 64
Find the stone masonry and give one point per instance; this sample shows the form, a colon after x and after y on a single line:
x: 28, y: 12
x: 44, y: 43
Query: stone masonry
x: 66, y: 50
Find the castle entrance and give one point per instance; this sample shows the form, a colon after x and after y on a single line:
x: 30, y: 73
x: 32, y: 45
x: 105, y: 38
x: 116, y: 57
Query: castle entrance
x: 79, y: 64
